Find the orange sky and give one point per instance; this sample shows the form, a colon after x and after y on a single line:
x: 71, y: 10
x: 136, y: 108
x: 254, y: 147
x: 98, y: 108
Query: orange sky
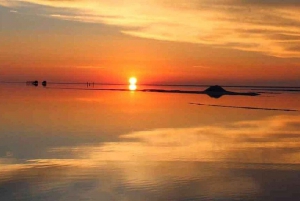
x: 195, y: 42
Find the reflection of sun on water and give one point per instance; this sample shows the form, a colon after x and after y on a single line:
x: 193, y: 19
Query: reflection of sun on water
x: 132, y: 84
x: 132, y: 87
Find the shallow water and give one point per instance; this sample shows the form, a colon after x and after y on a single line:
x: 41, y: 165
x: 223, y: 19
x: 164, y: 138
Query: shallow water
x: 63, y: 144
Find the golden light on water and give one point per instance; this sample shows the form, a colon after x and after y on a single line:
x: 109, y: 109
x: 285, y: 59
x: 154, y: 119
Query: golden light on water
x: 132, y: 87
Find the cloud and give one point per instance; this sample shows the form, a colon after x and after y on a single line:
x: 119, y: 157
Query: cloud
x: 243, y: 25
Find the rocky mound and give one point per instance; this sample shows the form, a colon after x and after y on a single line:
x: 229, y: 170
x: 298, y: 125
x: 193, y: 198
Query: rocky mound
x: 215, y: 88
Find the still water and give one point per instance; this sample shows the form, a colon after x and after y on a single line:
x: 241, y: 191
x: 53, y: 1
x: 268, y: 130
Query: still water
x: 69, y: 144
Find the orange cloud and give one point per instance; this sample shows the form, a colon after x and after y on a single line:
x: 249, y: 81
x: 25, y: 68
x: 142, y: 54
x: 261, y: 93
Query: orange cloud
x: 269, y: 28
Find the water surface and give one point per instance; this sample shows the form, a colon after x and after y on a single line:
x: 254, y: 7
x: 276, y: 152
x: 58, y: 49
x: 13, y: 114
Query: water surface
x: 69, y: 144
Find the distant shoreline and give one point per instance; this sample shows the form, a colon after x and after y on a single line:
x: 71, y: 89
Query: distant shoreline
x: 163, y: 85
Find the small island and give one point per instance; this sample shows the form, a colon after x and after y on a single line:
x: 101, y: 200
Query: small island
x: 215, y: 91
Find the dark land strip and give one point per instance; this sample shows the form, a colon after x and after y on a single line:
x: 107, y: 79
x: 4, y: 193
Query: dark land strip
x: 246, y: 107
x: 213, y: 91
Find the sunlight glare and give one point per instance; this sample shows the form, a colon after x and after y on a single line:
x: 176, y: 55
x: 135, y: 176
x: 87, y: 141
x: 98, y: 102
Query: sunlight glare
x: 132, y: 80
x: 132, y: 87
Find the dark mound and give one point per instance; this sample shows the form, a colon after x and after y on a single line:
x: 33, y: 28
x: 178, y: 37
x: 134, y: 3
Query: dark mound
x: 215, y: 88
x: 44, y: 83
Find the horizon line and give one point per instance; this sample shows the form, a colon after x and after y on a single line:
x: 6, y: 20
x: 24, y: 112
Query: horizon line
x: 149, y: 84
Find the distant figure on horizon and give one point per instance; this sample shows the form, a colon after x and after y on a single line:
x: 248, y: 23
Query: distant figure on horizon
x: 34, y: 83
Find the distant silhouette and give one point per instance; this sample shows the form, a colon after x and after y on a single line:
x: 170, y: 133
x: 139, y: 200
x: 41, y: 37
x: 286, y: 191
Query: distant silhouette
x: 34, y: 83
x: 44, y: 83
x: 217, y: 91
x: 215, y: 88
x: 213, y: 91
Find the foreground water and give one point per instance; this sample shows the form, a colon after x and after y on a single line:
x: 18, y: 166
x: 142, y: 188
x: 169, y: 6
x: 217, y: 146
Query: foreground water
x: 69, y: 144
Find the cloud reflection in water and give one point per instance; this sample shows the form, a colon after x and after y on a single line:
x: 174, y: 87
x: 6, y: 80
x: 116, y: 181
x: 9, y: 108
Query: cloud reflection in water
x: 273, y: 140
x: 212, y: 162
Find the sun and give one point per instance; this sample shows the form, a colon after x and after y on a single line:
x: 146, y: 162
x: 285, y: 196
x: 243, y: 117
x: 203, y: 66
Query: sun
x: 132, y: 80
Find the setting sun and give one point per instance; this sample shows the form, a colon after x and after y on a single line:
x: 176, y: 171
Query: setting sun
x: 143, y: 99
x: 132, y: 83
x: 132, y: 80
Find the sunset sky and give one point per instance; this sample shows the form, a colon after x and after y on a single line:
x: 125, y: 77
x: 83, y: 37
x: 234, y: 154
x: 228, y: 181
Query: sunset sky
x: 228, y: 42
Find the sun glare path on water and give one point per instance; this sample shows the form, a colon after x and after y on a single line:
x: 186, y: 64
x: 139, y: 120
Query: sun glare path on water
x: 132, y: 83
x: 132, y: 87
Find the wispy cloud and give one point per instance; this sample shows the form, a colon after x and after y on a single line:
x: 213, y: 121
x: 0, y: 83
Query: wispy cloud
x: 270, y: 27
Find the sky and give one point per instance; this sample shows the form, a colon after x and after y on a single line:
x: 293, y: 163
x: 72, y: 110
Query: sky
x: 227, y: 42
